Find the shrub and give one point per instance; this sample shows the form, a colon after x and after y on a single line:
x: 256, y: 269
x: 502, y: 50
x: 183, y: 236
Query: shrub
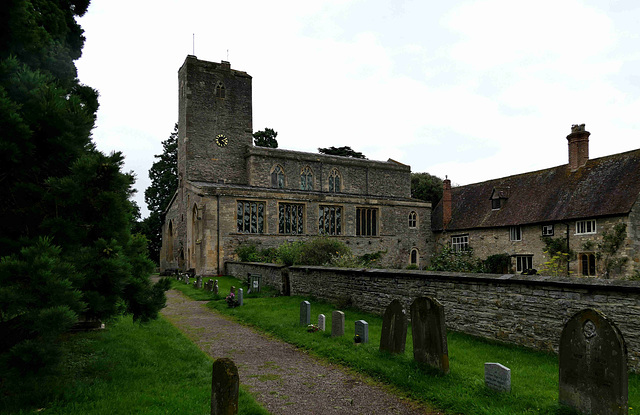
x: 412, y: 266
x: 289, y: 253
x: 457, y: 261
x: 497, y: 264
x: 320, y: 251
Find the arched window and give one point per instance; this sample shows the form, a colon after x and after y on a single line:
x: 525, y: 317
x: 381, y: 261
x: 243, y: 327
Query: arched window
x: 334, y: 181
x: 170, y: 241
x: 220, y: 91
x: 306, y: 179
x: 413, y: 219
x: 277, y: 177
x: 413, y: 260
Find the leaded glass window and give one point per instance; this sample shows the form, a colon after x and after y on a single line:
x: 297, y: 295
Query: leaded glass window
x: 277, y: 177
x: 250, y: 217
x: 306, y: 179
x: 291, y: 219
x: 334, y: 181
x: 330, y: 220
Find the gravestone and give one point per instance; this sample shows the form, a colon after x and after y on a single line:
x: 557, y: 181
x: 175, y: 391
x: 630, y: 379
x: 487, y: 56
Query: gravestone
x: 593, y: 365
x: 429, y: 333
x: 224, y: 388
x: 394, y: 328
x: 497, y: 377
x: 240, y: 296
x: 215, y: 287
x: 337, y: 324
x: 322, y: 322
x: 186, y: 279
x: 254, y: 282
x: 305, y: 313
x: 199, y: 282
x: 362, y: 331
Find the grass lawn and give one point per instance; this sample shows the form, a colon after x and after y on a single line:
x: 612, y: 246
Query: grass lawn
x: 534, y: 375
x: 128, y: 368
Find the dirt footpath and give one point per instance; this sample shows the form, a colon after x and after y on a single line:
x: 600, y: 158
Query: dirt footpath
x: 282, y: 378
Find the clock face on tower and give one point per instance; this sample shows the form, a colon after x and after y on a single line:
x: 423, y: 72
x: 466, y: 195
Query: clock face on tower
x: 222, y: 140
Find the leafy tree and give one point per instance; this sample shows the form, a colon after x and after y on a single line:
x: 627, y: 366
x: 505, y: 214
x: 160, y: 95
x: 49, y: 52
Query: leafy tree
x: 265, y: 138
x: 426, y: 187
x: 65, y: 241
x: 344, y: 151
x: 164, y: 183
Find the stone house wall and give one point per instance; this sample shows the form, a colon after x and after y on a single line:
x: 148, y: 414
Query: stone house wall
x: 490, y: 241
x: 524, y: 310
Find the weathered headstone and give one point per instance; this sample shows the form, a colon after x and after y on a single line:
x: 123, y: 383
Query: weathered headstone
x: 394, y: 328
x: 429, y: 333
x: 593, y: 365
x: 497, y: 377
x: 337, y: 324
x: 305, y: 313
x: 186, y: 279
x: 240, y: 296
x: 215, y: 287
x: 322, y: 322
x: 199, y: 282
x: 224, y: 388
x: 362, y: 331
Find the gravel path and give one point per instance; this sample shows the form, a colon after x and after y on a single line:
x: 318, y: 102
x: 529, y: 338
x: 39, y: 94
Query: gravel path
x: 282, y: 378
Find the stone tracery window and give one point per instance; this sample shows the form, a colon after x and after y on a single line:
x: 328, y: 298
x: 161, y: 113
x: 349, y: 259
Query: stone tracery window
x: 277, y: 177
x: 306, y: 179
x: 220, y: 91
x: 330, y: 220
x: 413, y: 219
x: 334, y: 181
x: 413, y: 260
x: 291, y: 218
x: 250, y: 217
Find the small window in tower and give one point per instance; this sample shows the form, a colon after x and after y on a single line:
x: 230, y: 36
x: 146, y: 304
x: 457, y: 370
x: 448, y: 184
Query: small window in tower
x: 413, y: 219
x: 334, y: 181
x: 220, y: 91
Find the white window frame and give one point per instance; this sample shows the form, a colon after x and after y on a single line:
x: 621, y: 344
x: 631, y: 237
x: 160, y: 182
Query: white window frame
x: 519, y: 262
x: 460, y: 243
x: 548, y: 230
x: 515, y: 233
x: 586, y: 227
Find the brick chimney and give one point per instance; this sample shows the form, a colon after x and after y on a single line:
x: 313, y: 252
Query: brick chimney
x: 446, y: 202
x: 578, y: 146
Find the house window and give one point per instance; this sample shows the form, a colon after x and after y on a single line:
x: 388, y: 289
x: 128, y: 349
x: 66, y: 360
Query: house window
x: 413, y: 259
x: 584, y: 227
x: 366, y: 222
x: 250, y: 217
x: 334, y: 181
x: 515, y: 233
x: 460, y: 243
x: 495, y: 204
x: 588, y: 264
x: 306, y: 179
x: 524, y: 263
x: 277, y: 177
x: 291, y: 219
x: 220, y: 91
x: 413, y: 219
x: 547, y: 230
x: 330, y: 220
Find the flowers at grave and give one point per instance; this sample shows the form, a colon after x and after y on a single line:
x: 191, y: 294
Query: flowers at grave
x: 312, y: 328
x: 357, y: 339
x: 231, y: 300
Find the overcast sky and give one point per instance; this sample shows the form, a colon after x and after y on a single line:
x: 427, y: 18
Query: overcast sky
x: 474, y: 90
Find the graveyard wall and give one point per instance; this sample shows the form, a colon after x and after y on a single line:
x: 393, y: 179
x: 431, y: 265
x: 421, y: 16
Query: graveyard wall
x: 523, y: 310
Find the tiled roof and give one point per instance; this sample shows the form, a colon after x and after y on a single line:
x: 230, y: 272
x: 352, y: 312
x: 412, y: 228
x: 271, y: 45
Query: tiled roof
x: 604, y: 186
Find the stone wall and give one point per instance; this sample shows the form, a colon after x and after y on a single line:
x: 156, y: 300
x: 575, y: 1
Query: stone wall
x: 523, y: 310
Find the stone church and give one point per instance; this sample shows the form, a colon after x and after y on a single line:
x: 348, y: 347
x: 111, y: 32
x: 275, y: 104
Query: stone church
x: 231, y: 192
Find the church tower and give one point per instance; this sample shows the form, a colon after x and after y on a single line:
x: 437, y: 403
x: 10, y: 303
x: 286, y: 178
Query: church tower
x: 214, y: 123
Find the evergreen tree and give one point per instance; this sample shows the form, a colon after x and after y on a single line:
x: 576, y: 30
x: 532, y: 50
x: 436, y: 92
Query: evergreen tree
x: 344, y: 151
x: 65, y: 240
x: 164, y: 183
x: 265, y: 138
x: 426, y: 187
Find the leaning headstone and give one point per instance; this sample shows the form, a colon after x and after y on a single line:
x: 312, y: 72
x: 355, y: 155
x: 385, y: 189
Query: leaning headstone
x: 224, y: 388
x: 429, y: 333
x: 322, y: 322
x: 240, y: 296
x: 305, y: 313
x: 199, y: 282
x: 337, y: 324
x: 593, y: 365
x: 362, y: 331
x: 215, y: 287
x: 497, y: 377
x: 394, y: 328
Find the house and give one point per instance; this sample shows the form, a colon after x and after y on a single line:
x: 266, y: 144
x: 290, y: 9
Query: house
x: 232, y: 193
x: 578, y: 203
